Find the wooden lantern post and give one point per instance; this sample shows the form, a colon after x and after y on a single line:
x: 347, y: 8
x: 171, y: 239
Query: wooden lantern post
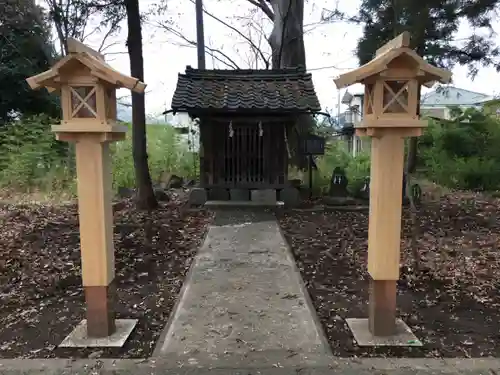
x: 87, y: 87
x: 392, y: 81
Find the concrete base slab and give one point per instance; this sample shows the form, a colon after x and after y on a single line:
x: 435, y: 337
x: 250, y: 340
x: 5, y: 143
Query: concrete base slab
x: 403, y: 337
x: 242, y: 204
x: 79, y: 339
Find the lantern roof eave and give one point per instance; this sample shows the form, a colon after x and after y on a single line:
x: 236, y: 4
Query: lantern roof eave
x: 90, y: 59
x: 429, y: 74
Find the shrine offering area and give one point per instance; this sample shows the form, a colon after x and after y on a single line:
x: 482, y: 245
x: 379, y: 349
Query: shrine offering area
x: 450, y: 304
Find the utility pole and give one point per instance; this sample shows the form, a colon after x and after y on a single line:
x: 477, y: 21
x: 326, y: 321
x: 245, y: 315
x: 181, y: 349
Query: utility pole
x: 200, y: 37
x: 338, y: 105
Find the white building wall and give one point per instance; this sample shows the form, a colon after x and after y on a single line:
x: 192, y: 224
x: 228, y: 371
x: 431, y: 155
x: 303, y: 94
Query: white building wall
x: 357, y: 145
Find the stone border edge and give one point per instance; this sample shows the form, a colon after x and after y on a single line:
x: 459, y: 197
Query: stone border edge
x: 422, y: 364
x: 157, y: 351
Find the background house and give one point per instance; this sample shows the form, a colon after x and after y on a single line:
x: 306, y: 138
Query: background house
x: 437, y: 103
x: 492, y: 107
x: 348, y: 120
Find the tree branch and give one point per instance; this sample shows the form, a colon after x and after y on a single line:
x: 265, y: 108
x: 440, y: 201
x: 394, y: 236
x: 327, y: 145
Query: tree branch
x: 211, y: 51
x: 111, y: 30
x: 264, y: 7
x: 255, y: 25
x: 114, y: 53
x: 96, y: 29
x: 252, y: 44
x: 337, y: 15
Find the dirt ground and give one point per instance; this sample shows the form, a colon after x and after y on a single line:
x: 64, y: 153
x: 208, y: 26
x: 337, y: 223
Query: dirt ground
x: 41, y: 296
x: 451, y: 304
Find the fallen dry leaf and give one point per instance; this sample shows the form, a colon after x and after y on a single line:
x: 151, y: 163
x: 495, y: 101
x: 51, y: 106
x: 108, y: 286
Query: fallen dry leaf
x: 452, y: 304
x: 40, y: 284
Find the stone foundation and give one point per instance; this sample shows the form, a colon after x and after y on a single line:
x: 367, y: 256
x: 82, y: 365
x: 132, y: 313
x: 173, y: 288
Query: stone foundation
x: 197, y: 197
x: 290, y: 197
x: 218, y: 194
x: 264, y: 196
x: 239, y: 194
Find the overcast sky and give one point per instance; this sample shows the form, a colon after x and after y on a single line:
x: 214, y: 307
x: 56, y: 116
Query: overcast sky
x: 329, y: 48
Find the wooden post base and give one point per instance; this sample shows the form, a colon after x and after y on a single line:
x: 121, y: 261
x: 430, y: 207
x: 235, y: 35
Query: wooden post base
x: 100, y: 310
x: 382, y: 315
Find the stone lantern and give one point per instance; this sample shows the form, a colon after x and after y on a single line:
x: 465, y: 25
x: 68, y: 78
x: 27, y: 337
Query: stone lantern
x: 391, y: 112
x: 87, y: 87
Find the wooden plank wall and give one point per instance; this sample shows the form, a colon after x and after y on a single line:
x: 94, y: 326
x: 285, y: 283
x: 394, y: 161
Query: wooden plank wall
x: 245, y: 159
x: 244, y: 156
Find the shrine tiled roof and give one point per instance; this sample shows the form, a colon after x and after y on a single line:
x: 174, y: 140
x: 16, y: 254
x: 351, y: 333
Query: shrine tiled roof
x: 230, y: 91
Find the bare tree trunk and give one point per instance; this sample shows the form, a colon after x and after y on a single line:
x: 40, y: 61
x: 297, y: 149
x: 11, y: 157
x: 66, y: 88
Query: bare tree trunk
x: 58, y: 19
x: 146, y: 198
x: 288, y: 51
x: 287, y: 38
x: 414, y: 224
x: 411, y: 161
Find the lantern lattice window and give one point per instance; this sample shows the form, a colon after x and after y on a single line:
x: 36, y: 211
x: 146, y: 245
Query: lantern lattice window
x: 110, y: 103
x: 395, y: 97
x: 369, y: 93
x: 83, y: 102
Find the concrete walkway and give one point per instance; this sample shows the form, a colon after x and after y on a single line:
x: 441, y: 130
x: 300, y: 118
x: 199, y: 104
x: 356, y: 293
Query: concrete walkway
x: 244, y: 303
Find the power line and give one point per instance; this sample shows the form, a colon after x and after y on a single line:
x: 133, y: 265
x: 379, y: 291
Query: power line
x: 331, y: 67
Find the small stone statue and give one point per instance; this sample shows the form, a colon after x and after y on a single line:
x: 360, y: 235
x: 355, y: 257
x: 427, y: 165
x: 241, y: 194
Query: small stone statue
x: 338, y: 183
x: 364, y: 192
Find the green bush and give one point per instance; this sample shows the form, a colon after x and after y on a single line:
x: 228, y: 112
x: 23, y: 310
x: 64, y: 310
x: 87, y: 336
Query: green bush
x: 357, y: 171
x: 463, y: 153
x: 336, y: 155
x: 166, y: 153
x: 32, y: 160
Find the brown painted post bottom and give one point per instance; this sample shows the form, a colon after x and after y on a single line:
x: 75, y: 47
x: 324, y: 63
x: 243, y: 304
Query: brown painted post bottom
x: 382, y: 315
x: 100, y: 310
